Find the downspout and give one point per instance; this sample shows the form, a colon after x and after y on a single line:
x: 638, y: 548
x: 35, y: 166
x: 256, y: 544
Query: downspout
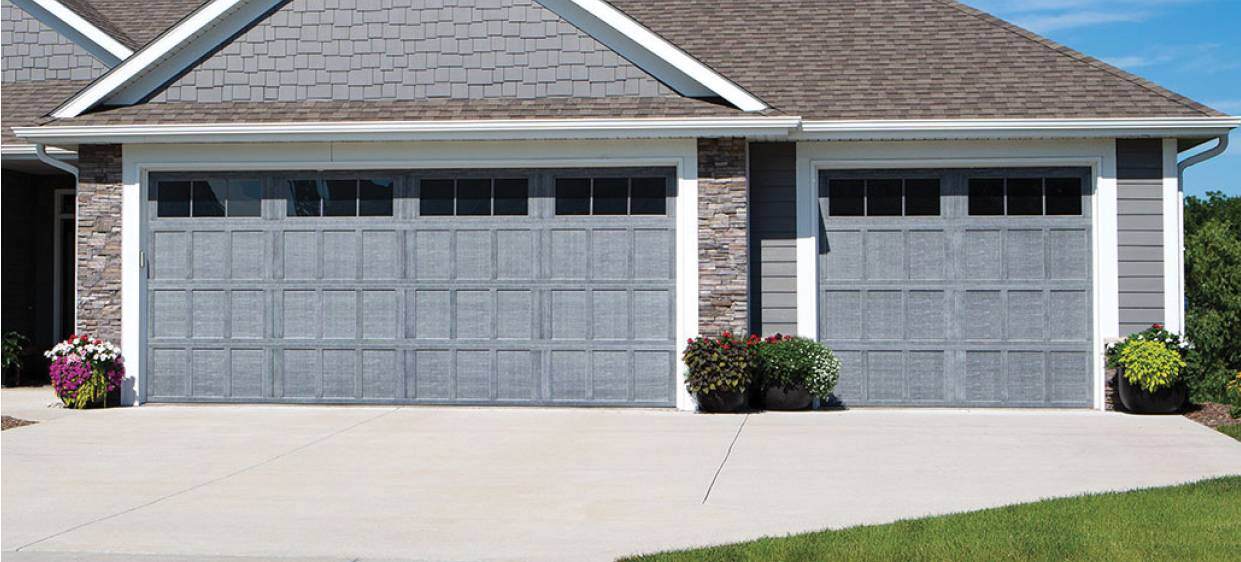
x: 1220, y: 147
x: 40, y: 152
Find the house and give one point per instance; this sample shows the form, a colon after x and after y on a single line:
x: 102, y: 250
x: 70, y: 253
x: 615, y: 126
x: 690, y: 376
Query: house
x: 539, y: 201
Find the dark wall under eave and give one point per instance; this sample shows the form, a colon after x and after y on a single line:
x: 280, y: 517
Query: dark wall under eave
x: 773, y: 237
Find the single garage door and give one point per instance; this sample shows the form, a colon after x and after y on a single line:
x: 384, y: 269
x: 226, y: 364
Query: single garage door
x: 466, y: 286
x: 957, y: 287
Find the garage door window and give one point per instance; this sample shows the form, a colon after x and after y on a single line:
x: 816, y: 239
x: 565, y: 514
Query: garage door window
x: 886, y: 197
x: 340, y: 198
x: 612, y: 196
x: 465, y: 197
x: 1025, y: 196
x: 208, y: 198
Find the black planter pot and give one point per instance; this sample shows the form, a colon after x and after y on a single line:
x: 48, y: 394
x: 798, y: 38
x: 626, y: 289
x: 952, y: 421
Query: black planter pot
x: 1169, y: 400
x: 777, y: 398
x: 721, y: 402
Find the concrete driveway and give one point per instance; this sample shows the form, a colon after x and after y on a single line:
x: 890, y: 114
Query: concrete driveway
x: 388, y: 483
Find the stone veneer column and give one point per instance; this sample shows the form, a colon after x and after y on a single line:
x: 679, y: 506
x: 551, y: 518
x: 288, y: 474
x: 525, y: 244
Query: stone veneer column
x: 723, y: 234
x: 99, y: 241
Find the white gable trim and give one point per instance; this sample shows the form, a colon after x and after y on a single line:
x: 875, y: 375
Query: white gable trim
x: 67, y: 22
x: 651, y: 52
x: 149, y: 57
x: 204, y: 30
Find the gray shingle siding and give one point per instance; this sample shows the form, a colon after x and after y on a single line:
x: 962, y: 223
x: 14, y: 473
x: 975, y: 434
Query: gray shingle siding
x: 773, y: 234
x: 411, y: 49
x: 34, y: 51
x: 1139, y: 169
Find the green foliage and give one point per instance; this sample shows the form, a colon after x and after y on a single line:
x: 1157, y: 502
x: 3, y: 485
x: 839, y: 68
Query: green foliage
x: 1150, y: 365
x: 1190, y: 522
x: 14, y: 343
x: 1155, y: 333
x: 1234, y: 395
x: 1215, y: 206
x: 720, y: 364
x: 1213, y: 291
x: 791, y: 363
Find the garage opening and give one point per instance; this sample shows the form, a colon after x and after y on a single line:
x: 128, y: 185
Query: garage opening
x: 963, y: 287
x: 430, y: 286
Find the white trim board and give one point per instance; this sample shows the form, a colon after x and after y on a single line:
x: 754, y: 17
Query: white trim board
x: 1173, y: 242
x: 67, y: 22
x: 969, y: 129
x: 1099, y: 155
x: 211, y: 25
x: 508, y: 129
x: 140, y: 160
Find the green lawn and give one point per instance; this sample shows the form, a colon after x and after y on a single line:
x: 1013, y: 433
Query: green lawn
x: 1233, y: 431
x: 1200, y: 521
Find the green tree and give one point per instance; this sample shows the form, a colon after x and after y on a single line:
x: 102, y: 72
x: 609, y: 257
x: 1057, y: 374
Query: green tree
x: 1213, y: 291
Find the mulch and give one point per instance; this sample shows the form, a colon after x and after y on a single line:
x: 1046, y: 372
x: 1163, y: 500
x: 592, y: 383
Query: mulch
x: 1211, y: 414
x: 10, y: 422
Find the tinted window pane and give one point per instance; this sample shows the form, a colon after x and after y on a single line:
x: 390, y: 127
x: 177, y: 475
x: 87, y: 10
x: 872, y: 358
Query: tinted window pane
x: 846, y: 198
x: 173, y: 199
x: 1025, y: 196
x: 648, y: 196
x: 883, y: 198
x: 922, y: 198
x: 209, y: 198
x: 473, y: 197
x: 375, y: 198
x: 611, y: 196
x: 342, y: 198
x: 572, y: 196
x: 245, y: 198
x: 304, y: 198
x: 435, y: 198
x: 512, y: 197
x: 1064, y: 196
x: 986, y: 196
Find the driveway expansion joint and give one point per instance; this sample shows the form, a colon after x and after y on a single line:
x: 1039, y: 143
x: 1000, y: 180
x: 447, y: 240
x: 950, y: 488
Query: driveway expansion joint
x: 723, y: 462
x: 200, y: 485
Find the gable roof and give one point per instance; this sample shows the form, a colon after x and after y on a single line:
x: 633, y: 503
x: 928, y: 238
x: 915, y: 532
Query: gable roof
x: 900, y: 59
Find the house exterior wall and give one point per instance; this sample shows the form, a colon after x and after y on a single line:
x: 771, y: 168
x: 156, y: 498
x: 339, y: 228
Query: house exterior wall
x: 773, y: 238
x: 1140, y: 236
x: 723, y: 238
x: 34, y: 51
x: 100, y: 191
x: 411, y: 49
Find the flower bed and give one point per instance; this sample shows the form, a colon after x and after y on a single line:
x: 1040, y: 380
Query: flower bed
x: 84, y: 370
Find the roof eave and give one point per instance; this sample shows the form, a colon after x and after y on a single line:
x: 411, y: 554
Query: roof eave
x: 973, y: 129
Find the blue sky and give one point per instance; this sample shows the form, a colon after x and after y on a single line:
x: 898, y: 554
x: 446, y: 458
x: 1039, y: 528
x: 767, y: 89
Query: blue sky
x: 1192, y: 47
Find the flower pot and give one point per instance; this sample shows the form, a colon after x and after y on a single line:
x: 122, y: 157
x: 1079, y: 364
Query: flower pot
x: 721, y: 402
x: 777, y: 398
x: 1163, y: 401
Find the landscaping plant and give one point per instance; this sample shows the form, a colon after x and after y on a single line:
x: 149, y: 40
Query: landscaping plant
x: 14, y: 343
x: 1150, y: 365
x: 1213, y: 294
x: 721, y: 364
x: 1156, y: 333
x: 84, y: 370
x: 792, y: 363
x: 1234, y: 395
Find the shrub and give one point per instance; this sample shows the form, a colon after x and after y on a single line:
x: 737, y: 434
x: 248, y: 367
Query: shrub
x: 722, y: 364
x: 1234, y: 395
x: 14, y: 343
x: 84, y: 370
x: 1150, y: 365
x: 791, y: 363
x: 1213, y: 292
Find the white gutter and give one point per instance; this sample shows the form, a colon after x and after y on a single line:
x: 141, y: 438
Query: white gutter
x: 952, y: 129
x: 41, y: 153
x: 518, y: 129
x: 110, y: 51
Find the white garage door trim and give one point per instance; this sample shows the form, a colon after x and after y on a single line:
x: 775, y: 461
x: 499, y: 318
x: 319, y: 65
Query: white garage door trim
x: 141, y: 160
x: 1098, y: 155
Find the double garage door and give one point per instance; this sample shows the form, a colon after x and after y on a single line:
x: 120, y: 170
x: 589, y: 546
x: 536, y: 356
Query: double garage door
x: 958, y: 287
x: 446, y: 286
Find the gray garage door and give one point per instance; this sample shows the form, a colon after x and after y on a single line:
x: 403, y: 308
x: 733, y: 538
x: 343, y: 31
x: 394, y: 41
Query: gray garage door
x: 504, y: 286
x: 957, y: 287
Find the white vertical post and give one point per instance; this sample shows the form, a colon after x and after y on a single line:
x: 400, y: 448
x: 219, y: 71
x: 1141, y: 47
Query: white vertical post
x: 1173, y: 242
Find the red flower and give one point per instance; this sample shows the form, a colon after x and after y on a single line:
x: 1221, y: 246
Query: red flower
x: 1157, y: 326
x: 728, y: 334
x: 691, y: 340
x: 725, y: 346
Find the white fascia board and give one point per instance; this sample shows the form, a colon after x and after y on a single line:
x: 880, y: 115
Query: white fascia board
x: 27, y: 152
x: 519, y: 129
x: 651, y: 52
x: 68, y: 23
x: 962, y: 129
x: 145, y: 58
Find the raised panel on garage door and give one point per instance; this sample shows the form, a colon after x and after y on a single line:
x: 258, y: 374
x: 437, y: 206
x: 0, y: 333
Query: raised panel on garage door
x: 431, y: 286
x: 957, y: 287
